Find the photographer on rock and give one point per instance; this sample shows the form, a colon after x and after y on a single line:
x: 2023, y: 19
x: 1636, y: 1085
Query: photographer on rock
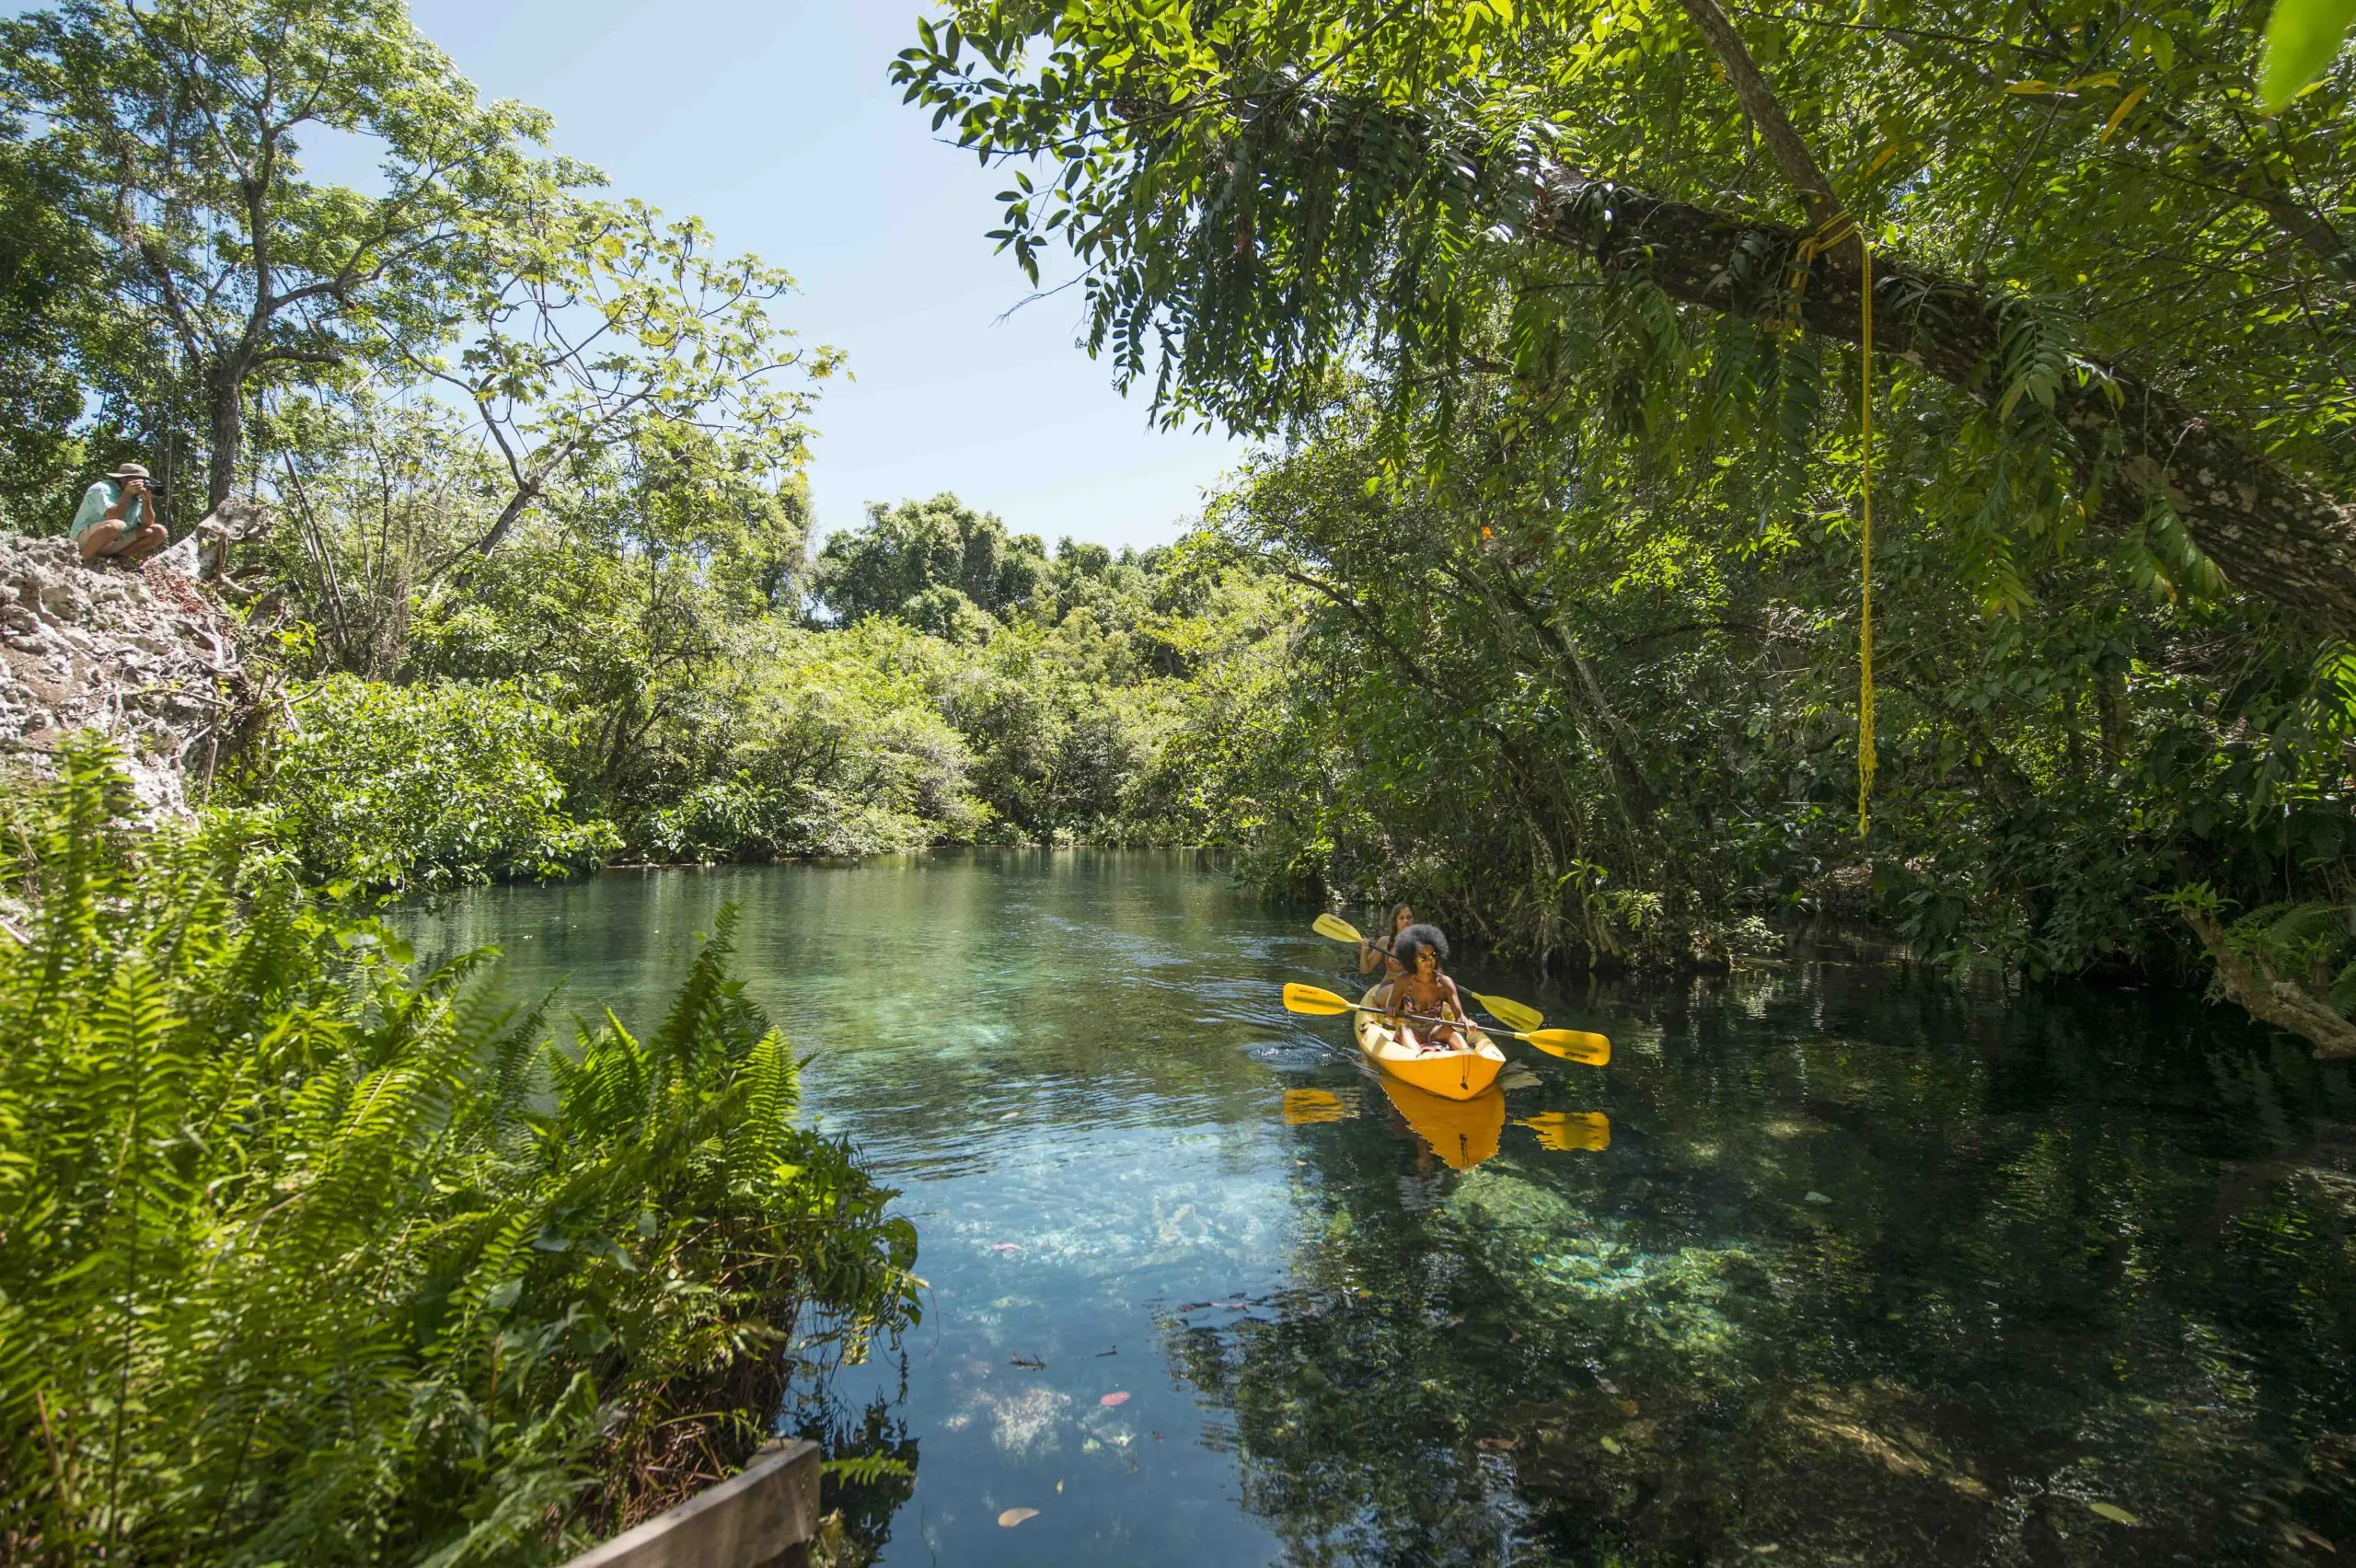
x: 117, y: 517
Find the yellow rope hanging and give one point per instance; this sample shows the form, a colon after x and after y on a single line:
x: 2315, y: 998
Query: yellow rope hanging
x: 1866, y: 761
x: 1836, y: 230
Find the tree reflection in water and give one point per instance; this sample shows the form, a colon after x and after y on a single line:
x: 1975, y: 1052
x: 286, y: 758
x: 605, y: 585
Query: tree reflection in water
x: 1871, y: 1270
x: 871, y: 1465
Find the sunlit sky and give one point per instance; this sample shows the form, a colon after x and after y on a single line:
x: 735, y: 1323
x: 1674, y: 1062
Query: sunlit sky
x: 775, y: 124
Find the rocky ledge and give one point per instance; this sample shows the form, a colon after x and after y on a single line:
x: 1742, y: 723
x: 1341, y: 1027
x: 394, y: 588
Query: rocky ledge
x: 145, y: 655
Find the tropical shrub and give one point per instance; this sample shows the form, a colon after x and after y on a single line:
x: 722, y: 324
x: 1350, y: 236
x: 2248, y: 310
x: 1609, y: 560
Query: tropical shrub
x: 744, y: 818
x: 807, y: 743
x: 2312, y: 944
x: 428, y: 786
x: 307, y: 1255
x: 1059, y: 729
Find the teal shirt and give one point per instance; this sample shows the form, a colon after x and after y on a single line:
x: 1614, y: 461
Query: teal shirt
x: 98, y: 501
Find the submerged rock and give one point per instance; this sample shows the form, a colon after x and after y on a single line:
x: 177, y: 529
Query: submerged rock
x: 145, y: 656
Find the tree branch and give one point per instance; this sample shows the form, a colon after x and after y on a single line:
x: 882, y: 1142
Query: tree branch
x: 1790, y: 155
x: 2271, y: 1000
x: 1618, y: 747
x: 2271, y: 533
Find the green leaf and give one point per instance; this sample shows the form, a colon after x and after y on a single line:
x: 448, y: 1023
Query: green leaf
x: 2301, y: 38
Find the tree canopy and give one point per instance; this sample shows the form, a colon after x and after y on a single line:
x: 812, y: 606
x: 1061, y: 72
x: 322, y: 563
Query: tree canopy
x: 2116, y: 291
x: 925, y: 562
x: 1562, y: 311
x: 177, y: 131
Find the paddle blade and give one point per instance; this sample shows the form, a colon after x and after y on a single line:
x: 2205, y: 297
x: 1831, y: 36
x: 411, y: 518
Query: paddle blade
x: 1334, y: 925
x: 1302, y: 998
x: 1572, y: 1045
x: 1571, y: 1130
x: 1510, y: 1013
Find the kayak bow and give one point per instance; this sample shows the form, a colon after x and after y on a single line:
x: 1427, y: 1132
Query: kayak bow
x: 1457, y: 1074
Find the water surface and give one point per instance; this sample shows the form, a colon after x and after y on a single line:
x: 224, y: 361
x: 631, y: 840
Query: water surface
x: 1831, y: 1264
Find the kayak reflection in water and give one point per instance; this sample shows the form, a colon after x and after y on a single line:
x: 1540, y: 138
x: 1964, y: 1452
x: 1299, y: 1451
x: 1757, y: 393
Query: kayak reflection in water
x: 1422, y: 992
x: 1383, y: 949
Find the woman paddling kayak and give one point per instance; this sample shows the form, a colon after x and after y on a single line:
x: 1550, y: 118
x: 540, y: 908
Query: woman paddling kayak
x: 1383, y: 950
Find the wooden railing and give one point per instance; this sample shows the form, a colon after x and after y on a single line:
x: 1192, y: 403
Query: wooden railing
x: 763, y: 1518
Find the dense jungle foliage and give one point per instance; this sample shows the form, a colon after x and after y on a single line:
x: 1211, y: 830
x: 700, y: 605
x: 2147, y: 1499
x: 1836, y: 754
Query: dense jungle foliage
x: 310, y: 1254
x: 542, y: 593
x: 1559, y: 310
x: 588, y: 693
x: 1543, y: 607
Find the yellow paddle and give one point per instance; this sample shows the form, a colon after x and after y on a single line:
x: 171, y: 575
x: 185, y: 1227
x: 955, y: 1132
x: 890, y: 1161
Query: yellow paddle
x: 1512, y: 1014
x: 1571, y: 1045
x: 1334, y: 925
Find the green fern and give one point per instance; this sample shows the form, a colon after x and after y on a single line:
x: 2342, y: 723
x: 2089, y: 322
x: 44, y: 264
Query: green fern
x: 307, y: 1255
x: 866, y: 1469
x: 2312, y: 944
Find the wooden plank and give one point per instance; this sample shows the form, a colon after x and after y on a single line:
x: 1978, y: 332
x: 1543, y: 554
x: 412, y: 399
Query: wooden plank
x: 761, y: 1516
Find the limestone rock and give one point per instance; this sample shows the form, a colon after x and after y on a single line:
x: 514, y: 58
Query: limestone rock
x: 142, y: 656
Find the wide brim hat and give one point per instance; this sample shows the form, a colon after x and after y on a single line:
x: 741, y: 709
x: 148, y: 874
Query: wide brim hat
x: 128, y: 471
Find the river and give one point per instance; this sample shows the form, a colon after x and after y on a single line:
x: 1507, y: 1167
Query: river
x: 1831, y: 1264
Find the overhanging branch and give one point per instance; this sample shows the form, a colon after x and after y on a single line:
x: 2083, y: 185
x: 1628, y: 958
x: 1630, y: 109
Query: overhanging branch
x: 2271, y: 533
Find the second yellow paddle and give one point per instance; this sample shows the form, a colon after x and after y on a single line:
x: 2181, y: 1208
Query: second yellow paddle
x: 1505, y: 1010
x: 1571, y: 1045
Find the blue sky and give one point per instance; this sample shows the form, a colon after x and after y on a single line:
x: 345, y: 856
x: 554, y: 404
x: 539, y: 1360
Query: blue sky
x: 775, y: 124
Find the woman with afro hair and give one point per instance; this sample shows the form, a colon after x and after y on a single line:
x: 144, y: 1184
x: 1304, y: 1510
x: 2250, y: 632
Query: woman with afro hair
x: 1423, y: 1006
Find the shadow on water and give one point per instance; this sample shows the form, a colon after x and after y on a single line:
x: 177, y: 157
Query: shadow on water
x: 1831, y: 1264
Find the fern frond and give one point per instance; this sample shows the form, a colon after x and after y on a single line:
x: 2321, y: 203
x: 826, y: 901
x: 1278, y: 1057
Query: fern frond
x: 761, y: 1140
x: 307, y: 1255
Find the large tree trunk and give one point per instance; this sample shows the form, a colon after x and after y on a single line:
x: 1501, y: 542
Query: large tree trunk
x: 2273, y: 534
x: 225, y: 389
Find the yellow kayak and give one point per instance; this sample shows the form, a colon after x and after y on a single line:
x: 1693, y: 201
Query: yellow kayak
x: 1459, y: 1073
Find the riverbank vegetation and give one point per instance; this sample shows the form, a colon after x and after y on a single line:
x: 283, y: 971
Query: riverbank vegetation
x: 1562, y: 316
x: 591, y: 694
x: 308, y: 1252
x: 542, y: 593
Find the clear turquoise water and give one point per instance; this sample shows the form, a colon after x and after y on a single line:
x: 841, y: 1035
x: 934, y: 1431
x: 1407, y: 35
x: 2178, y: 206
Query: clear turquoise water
x: 1870, y: 1269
